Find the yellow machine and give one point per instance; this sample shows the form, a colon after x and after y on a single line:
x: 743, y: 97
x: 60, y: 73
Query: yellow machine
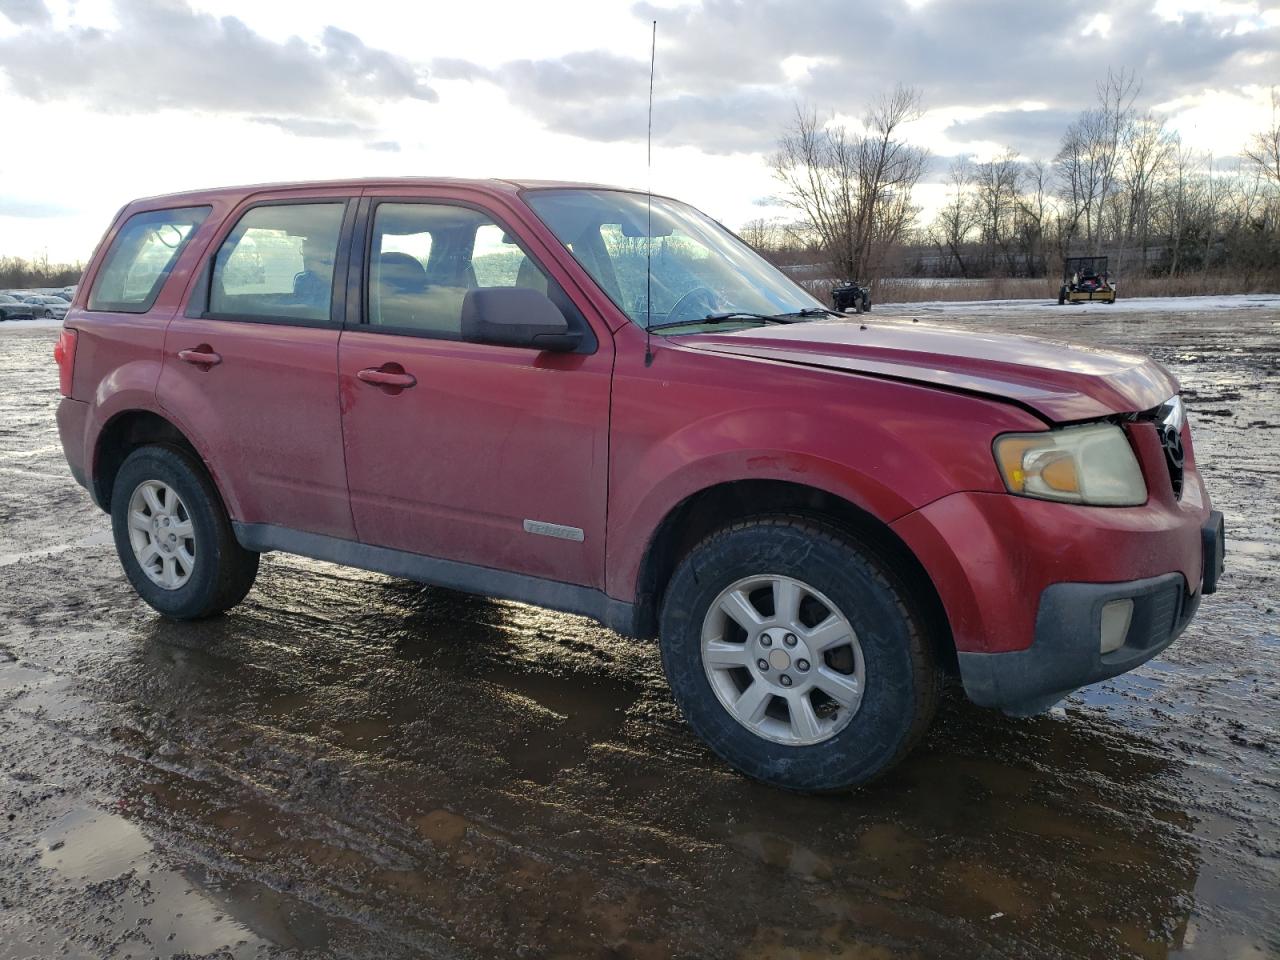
x: 1085, y: 280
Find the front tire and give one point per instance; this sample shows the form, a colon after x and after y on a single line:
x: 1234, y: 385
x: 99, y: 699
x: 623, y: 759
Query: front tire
x: 797, y: 654
x: 174, y: 537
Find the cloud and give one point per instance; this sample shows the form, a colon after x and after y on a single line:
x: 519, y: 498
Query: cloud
x: 26, y: 13
x: 722, y: 85
x: 603, y: 96
x: 32, y: 209
x: 384, y: 146
x: 305, y: 127
x: 167, y: 55
x: 1033, y: 133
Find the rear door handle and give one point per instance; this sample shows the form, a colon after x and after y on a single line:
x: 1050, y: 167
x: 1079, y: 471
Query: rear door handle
x: 201, y: 356
x: 390, y: 375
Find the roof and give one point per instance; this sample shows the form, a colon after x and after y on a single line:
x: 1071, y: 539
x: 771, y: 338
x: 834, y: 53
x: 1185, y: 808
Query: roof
x: 494, y: 185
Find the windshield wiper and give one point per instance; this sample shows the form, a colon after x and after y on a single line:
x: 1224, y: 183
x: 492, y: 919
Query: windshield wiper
x: 727, y: 316
x: 808, y: 312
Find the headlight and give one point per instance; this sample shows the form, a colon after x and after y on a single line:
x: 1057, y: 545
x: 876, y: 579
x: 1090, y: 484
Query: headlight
x: 1090, y: 464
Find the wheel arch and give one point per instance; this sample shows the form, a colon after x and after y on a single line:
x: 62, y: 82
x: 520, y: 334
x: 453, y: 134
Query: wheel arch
x: 712, y: 508
x: 125, y: 432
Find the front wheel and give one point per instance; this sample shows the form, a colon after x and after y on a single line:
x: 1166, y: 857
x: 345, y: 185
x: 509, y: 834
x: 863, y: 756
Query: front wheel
x: 797, y: 654
x: 174, y: 537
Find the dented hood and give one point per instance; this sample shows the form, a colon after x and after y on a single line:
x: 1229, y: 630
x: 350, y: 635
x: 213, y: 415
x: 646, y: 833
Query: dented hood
x: 1062, y: 382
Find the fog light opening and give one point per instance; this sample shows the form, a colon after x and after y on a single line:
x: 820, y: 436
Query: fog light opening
x: 1116, y: 616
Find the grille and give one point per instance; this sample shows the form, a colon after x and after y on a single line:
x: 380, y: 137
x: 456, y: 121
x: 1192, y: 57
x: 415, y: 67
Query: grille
x: 1171, y: 441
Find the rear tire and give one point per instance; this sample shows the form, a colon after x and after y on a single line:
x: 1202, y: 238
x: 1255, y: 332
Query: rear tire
x: 161, y: 489
x: 885, y: 680
x: 1062, y: 296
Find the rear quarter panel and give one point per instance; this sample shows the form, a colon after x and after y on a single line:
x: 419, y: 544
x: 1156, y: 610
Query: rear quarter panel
x: 119, y: 355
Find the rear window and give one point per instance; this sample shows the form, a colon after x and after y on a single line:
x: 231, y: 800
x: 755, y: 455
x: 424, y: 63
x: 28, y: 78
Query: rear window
x: 140, y: 258
x: 277, y: 264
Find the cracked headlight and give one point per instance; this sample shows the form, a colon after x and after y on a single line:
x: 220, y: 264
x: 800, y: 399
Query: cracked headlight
x: 1091, y: 464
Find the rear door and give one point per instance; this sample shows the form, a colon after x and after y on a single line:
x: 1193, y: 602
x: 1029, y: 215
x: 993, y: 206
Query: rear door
x: 250, y: 368
x: 495, y: 456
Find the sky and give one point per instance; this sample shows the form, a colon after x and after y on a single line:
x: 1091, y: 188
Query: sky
x: 103, y: 101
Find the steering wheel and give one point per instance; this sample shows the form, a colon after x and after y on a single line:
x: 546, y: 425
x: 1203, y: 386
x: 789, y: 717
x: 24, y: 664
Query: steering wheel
x: 699, y: 302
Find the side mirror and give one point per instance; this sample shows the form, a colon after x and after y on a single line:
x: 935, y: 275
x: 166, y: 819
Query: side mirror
x: 516, y: 317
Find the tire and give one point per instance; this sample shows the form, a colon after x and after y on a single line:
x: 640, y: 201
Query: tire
x: 866, y: 304
x: 1062, y: 296
x: 901, y: 681
x: 222, y: 571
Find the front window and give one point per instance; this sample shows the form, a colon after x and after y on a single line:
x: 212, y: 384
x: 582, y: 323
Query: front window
x: 699, y: 269
x: 426, y: 257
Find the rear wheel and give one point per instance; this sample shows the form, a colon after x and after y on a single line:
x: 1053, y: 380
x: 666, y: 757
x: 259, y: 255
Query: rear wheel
x: 797, y: 655
x: 174, y: 537
x: 1062, y: 296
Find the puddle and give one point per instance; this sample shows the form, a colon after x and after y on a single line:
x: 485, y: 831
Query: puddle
x: 584, y: 711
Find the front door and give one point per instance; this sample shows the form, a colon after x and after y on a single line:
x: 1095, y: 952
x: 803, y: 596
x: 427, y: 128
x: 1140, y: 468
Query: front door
x: 487, y: 455
x: 250, y: 369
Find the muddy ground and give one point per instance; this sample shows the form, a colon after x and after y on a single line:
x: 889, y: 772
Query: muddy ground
x: 350, y: 765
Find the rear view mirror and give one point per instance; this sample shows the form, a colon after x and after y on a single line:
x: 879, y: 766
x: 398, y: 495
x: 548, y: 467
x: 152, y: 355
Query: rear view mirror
x: 635, y: 229
x: 516, y: 317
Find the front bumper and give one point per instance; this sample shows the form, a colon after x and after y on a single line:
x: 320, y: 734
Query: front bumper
x: 1066, y: 652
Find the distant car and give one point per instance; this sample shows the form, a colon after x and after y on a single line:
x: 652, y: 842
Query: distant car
x: 43, y: 305
x: 11, y: 308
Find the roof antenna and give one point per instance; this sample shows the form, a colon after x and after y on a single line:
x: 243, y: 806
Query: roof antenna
x: 648, y: 239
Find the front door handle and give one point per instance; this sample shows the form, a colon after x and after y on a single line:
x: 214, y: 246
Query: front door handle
x: 390, y: 376
x: 201, y: 356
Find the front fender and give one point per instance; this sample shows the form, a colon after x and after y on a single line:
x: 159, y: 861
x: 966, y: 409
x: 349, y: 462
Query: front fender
x: 885, y: 465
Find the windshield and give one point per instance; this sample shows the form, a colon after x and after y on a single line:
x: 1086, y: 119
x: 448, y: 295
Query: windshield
x: 699, y: 269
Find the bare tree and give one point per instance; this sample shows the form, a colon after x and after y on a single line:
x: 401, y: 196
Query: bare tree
x: 853, y: 188
x: 954, y: 223
x: 1088, y: 161
x: 1034, y: 216
x: 763, y: 236
x: 1116, y: 97
x: 995, y: 194
x: 1263, y: 150
x: 1148, y: 149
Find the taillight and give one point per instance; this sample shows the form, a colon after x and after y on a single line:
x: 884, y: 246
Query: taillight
x: 65, y: 355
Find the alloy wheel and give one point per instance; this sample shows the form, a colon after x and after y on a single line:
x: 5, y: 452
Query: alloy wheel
x: 783, y: 660
x: 161, y: 534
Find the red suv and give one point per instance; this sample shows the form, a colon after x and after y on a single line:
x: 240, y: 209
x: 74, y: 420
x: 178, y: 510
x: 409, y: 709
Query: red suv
x: 607, y: 404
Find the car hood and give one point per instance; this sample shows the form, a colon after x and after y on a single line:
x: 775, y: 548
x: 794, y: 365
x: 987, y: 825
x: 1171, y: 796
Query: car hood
x: 1062, y: 382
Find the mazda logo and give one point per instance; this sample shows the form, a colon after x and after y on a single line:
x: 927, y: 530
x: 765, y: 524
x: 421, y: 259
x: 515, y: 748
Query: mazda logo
x: 1171, y: 439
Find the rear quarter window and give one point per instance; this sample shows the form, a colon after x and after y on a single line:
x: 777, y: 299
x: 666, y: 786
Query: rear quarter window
x: 140, y: 258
